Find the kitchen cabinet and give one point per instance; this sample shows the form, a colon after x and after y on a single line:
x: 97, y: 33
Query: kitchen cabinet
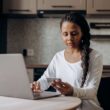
x: 98, y: 7
x: 19, y: 6
x: 61, y: 5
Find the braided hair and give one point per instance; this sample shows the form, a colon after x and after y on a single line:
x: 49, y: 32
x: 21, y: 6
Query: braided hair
x: 80, y: 20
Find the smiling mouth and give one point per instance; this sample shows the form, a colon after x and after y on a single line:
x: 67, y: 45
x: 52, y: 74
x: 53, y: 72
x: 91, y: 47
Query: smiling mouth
x: 70, y: 44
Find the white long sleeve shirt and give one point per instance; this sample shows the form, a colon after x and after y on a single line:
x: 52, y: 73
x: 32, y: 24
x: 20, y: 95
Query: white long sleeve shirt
x: 72, y: 73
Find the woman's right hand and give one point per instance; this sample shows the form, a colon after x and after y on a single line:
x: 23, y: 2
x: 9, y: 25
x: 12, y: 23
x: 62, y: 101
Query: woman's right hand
x: 35, y: 86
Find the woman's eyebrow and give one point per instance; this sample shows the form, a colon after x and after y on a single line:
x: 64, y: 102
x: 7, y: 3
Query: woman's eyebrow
x: 74, y: 30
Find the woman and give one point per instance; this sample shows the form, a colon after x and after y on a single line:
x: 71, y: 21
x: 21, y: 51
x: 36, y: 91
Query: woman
x: 78, y: 66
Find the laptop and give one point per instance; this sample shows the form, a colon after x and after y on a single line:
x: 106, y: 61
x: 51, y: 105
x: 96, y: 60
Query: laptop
x: 14, y: 80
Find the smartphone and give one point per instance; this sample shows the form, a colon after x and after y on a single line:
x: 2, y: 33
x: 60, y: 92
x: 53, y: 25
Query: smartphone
x: 49, y: 80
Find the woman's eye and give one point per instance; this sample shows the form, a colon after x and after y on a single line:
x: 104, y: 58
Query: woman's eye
x: 65, y: 34
x: 74, y: 33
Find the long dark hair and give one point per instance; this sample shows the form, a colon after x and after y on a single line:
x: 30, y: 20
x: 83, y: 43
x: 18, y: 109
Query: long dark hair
x: 80, y: 20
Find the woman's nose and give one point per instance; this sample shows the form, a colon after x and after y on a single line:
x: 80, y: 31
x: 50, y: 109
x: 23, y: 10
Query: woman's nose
x: 69, y: 37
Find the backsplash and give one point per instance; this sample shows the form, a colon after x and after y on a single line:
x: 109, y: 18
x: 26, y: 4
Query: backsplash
x: 43, y: 36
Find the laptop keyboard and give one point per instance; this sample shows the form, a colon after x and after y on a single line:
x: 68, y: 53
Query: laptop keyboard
x: 45, y: 94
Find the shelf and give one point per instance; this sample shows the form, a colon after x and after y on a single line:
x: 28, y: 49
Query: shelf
x: 100, y: 37
x: 97, y: 25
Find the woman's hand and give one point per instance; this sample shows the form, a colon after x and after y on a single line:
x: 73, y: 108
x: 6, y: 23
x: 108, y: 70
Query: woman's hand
x: 64, y: 88
x: 35, y: 86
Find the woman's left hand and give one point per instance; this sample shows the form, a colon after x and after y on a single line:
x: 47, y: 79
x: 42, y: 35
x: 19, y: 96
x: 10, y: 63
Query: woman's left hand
x: 63, y: 87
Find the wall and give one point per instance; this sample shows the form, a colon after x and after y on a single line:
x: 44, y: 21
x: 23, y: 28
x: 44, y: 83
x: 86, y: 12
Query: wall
x: 43, y: 36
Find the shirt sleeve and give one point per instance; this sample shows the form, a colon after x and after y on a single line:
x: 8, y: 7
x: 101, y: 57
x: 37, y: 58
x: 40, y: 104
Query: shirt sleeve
x: 50, y: 72
x: 89, y: 91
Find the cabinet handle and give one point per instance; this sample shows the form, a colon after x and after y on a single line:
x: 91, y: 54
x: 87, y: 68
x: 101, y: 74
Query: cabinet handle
x: 62, y: 6
x: 103, y: 10
x: 16, y: 10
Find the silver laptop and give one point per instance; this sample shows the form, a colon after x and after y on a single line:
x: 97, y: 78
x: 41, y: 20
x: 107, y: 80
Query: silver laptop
x: 14, y: 80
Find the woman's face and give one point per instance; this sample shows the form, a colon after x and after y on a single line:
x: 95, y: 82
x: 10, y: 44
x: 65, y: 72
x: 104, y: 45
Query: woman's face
x: 71, y: 34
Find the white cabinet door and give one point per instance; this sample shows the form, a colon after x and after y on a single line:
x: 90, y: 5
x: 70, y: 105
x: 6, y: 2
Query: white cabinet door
x: 98, y: 6
x: 61, y: 4
x: 19, y: 6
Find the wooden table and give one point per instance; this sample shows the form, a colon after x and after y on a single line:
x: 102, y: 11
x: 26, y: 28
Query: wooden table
x: 55, y: 103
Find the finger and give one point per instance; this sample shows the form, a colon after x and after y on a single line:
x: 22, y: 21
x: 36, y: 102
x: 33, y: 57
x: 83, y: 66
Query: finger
x: 53, y: 84
x: 61, y: 90
x: 33, y: 84
x: 36, y: 91
x: 35, y: 87
x: 58, y: 83
x: 63, y: 84
x: 57, y: 80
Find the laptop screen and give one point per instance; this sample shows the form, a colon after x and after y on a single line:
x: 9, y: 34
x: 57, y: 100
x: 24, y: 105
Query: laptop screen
x: 14, y: 81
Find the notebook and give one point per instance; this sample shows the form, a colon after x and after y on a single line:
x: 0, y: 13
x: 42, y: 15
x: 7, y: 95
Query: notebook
x: 14, y: 81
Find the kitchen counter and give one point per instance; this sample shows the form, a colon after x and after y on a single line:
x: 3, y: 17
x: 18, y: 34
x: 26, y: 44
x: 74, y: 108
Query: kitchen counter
x: 37, y: 66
